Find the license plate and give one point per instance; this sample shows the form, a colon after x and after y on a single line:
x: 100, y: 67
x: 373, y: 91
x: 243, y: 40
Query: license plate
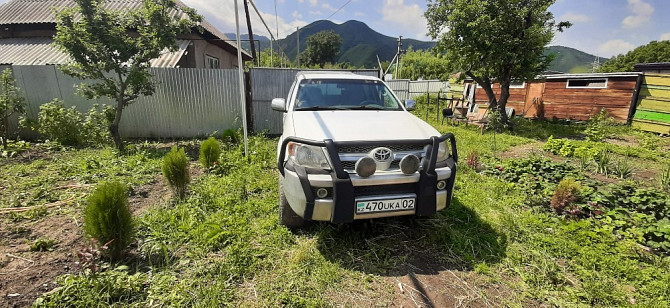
x: 387, y: 205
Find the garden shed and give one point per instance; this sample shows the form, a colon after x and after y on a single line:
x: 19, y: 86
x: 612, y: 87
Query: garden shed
x: 571, y: 96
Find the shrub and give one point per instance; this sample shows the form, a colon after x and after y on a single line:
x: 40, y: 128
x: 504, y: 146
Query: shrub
x: 175, y: 170
x: 473, y: 160
x: 43, y: 244
x: 11, y: 103
x: 599, y: 127
x: 60, y: 124
x: 230, y: 136
x: 107, y: 217
x: 70, y: 127
x: 567, y: 192
x: 209, y: 152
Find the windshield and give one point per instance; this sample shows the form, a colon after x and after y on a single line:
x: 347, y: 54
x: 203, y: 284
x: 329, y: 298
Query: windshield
x: 345, y: 94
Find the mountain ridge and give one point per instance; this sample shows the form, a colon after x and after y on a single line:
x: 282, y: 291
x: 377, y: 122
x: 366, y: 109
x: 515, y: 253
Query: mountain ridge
x: 361, y: 45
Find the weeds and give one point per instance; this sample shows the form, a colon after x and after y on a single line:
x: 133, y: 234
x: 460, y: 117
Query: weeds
x: 599, y: 127
x: 664, y: 177
x: 603, y: 160
x: 623, y: 168
x: 42, y: 244
x: 473, y: 160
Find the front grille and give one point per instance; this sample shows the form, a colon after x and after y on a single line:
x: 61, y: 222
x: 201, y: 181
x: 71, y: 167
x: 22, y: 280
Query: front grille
x: 360, y: 191
x: 351, y: 165
x: 367, y: 149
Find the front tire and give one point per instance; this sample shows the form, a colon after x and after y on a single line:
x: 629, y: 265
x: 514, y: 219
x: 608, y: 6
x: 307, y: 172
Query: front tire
x: 287, y: 217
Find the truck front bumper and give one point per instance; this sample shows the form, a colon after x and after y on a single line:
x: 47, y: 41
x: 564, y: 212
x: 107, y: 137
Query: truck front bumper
x: 345, y: 189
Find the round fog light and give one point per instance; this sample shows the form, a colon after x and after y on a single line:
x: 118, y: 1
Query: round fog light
x: 366, y: 166
x: 322, y: 192
x: 441, y: 185
x: 409, y: 164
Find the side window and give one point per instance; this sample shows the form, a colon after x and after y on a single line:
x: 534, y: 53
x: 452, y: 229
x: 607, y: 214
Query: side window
x: 212, y: 62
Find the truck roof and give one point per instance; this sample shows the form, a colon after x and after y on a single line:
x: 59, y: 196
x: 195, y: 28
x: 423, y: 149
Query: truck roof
x: 332, y: 75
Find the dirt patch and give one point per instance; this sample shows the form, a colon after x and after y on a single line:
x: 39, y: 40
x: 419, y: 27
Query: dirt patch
x: 25, y: 275
x: 427, y: 284
x: 623, y: 140
x: 523, y: 151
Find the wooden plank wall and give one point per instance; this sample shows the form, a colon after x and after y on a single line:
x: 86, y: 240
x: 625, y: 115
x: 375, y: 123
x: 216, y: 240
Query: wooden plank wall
x: 653, y: 104
x: 580, y: 104
x: 569, y: 103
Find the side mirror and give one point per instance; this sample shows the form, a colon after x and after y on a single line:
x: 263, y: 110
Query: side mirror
x: 278, y: 104
x: 410, y: 104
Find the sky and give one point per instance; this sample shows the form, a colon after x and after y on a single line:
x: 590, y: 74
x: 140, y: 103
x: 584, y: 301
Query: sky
x: 600, y: 27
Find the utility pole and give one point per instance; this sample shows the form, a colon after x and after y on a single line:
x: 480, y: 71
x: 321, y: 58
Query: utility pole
x: 298, y: 54
x: 251, y: 34
x: 397, y: 76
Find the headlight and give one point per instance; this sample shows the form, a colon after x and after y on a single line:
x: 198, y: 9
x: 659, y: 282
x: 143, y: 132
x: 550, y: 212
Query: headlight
x: 442, y: 151
x: 307, y: 155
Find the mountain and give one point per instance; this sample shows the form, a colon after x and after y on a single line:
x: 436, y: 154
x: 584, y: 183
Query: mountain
x: 264, y: 41
x: 570, y: 60
x: 360, y: 44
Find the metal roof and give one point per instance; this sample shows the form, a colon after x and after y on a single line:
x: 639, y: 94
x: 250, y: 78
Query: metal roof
x: 592, y: 75
x: 41, y: 51
x: 44, y: 11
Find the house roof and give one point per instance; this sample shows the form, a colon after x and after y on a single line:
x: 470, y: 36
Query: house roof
x: 41, y: 51
x: 44, y: 12
x: 652, y: 66
x: 592, y: 75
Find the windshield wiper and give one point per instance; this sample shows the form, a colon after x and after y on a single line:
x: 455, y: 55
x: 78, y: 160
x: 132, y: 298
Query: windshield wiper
x: 314, y: 108
x: 367, y: 107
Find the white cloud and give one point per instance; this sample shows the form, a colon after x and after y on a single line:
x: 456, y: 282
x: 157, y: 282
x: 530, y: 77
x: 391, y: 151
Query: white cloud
x: 222, y: 16
x: 409, y: 17
x: 615, y: 47
x: 329, y: 7
x: 312, y: 2
x: 575, y: 18
x: 296, y: 15
x: 665, y: 36
x: 642, y: 12
x: 317, y: 13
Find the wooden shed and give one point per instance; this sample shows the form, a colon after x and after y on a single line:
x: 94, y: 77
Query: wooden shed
x: 653, y: 104
x: 571, y: 96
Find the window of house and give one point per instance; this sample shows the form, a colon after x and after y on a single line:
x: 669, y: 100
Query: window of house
x: 597, y: 83
x: 517, y: 84
x: 212, y: 62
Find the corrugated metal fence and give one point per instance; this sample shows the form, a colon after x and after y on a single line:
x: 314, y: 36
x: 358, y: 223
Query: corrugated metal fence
x: 406, y: 89
x: 188, y: 102
x: 269, y: 83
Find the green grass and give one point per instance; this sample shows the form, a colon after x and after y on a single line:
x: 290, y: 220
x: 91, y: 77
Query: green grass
x: 222, y: 245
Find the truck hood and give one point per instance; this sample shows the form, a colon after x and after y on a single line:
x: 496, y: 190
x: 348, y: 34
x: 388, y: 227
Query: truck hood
x: 360, y: 125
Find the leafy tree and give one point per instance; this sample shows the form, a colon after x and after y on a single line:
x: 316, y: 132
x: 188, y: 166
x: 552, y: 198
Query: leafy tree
x: 322, y: 47
x: 494, y: 41
x: 423, y: 64
x: 267, y: 60
x: 650, y: 53
x: 114, y: 48
x: 11, y: 102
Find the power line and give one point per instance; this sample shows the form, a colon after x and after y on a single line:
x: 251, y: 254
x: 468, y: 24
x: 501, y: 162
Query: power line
x: 266, y: 26
x: 331, y: 15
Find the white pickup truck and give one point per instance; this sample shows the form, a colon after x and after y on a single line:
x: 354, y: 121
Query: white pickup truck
x: 351, y: 150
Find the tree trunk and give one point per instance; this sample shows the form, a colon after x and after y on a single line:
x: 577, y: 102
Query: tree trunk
x: 114, y: 127
x: 502, y: 103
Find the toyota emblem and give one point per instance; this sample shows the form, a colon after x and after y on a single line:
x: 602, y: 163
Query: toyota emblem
x: 381, y: 154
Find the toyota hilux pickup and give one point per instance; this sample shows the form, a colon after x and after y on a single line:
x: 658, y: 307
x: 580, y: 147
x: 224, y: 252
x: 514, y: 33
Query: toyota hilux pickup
x: 350, y: 149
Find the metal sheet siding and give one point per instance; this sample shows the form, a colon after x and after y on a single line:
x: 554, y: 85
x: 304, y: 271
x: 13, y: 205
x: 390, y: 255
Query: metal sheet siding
x: 188, y: 102
x: 41, y: 51
x: 269, y: 83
